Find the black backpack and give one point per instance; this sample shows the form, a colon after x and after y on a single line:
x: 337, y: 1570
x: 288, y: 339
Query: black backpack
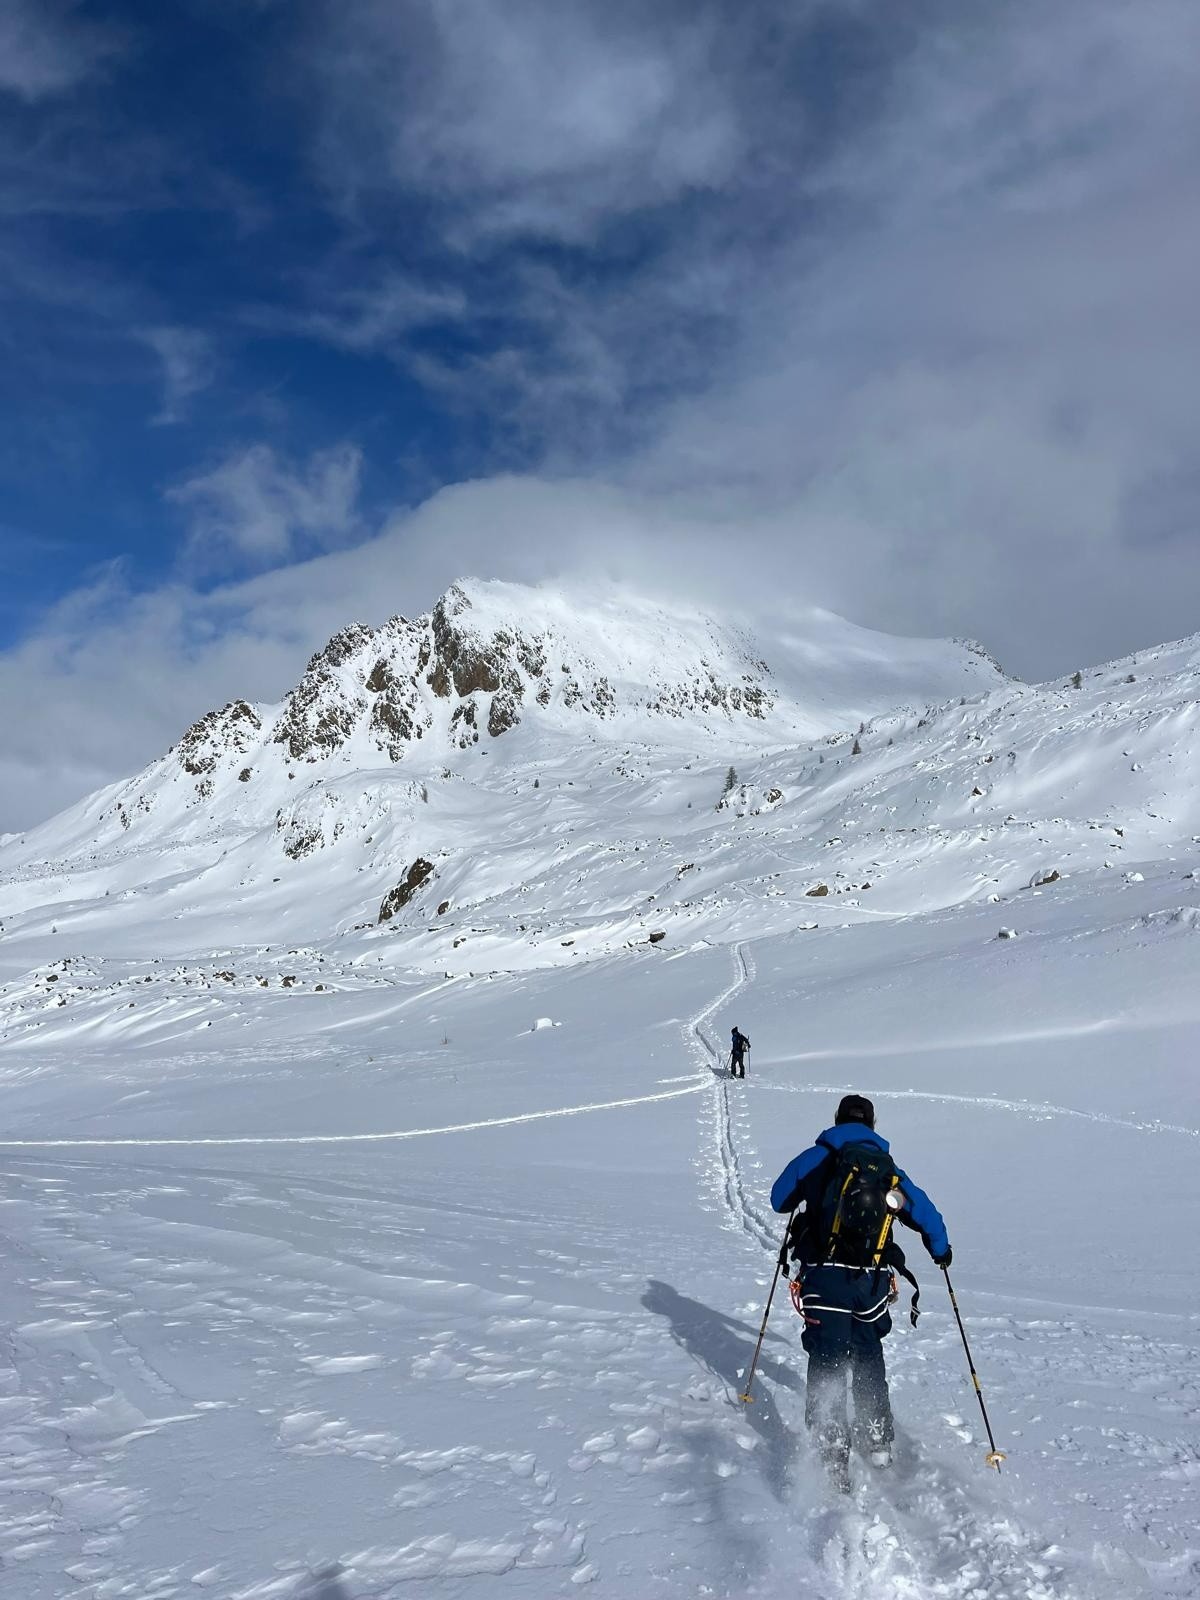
x: 852, y: 1224
x: 855, y: 1218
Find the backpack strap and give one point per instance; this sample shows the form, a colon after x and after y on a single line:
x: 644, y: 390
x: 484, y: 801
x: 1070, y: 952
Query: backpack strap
x: 893, y: 1257
x: 913, y: 1312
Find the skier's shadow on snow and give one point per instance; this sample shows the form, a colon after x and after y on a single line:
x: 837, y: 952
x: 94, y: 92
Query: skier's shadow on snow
x: 325, y: 1584
x: 725, y: 1346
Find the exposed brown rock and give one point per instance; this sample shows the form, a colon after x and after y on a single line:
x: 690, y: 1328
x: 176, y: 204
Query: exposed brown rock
x: 218, y: 733
x: 417, y: 875
x: 463, y: 728
x: 317, y: 716
x: 503, y: 714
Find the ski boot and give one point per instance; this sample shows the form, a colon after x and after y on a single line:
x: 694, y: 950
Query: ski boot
x: 835, y: 1458
x: 877, y: 1443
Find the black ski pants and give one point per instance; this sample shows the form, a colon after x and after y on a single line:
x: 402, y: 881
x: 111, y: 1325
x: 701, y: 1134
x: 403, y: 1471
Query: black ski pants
x: 846, y: 1320
x: 737, y: 1065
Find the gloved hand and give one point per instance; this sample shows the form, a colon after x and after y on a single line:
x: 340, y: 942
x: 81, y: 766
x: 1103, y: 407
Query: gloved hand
x: 945, y: 1258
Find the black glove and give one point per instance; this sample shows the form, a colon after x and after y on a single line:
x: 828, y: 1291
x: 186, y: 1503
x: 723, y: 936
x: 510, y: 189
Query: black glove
x: 946, y: 1257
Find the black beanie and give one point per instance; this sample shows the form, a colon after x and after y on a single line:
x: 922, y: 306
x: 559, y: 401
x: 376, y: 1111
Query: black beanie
x: 856, y: 1108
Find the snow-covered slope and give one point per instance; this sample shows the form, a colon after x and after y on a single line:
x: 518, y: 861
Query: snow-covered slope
x: 372, y: 1197
x: 453, y: 862
x: 513, y: 672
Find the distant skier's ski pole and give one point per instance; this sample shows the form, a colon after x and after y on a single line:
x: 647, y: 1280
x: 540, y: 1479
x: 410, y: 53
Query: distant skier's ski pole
x: 746, y: 1397
x: 994, y: 1457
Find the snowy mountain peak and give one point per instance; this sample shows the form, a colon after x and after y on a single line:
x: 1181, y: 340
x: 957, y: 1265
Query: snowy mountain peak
x: 474, y: 666
x: 489, y: 656
x: 522, y: 673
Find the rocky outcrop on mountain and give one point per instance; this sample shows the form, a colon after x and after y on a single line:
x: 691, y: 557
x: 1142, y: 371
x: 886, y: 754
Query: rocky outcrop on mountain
x: 321, y: 711
x: 385, y: 679
x: 707, y: 694
x: 232, y: 729
x: 490, y: 657
x: 415, y: 878
x: 316, y: 819
x: 477, y: 679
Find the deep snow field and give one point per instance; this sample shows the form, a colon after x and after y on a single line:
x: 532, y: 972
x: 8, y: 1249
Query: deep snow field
x: 440, y: 1280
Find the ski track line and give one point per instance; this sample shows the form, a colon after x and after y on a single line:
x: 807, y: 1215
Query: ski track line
x: 1017, y: 1563
x: 732, y: 1186
x: 1029, y: 1107
x: 347, y: 1138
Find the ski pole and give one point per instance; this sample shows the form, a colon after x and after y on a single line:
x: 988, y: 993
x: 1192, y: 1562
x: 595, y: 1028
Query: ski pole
x: 994, y: 1457
x: 745, y: 1396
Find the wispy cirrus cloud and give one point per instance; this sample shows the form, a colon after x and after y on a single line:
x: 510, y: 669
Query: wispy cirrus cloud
x: 258, y: 508
x: 47, y: 47
x: 188, y: 365
x: 356, y: 308
x: 540, y: 118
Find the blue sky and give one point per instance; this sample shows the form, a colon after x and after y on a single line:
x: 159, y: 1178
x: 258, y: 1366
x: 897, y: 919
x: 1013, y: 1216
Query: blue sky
x: 887, y: 305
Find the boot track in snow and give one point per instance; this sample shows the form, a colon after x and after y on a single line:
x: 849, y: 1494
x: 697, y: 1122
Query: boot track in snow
x: 916, y: 1531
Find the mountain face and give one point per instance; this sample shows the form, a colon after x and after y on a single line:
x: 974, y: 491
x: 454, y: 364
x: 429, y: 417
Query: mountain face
x: 491, y: 656
x: 528, y: 778
x: 506, y: 670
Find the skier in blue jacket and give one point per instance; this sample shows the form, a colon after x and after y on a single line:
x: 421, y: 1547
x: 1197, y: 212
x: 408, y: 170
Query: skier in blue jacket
x: 844, y: 1286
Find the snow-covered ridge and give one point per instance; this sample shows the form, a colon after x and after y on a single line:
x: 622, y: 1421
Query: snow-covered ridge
x: 591, y: 826
x: 490, y: 656
x: 505, y: 669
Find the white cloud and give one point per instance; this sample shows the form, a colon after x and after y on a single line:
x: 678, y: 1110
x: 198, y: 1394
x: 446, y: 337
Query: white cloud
x: 545, y: 116
x: 259, y: 508
x: 962, y: 384
x: 45, y: 49
x: 365, y: 317
x: 125, y: 672
x: 188, y: 367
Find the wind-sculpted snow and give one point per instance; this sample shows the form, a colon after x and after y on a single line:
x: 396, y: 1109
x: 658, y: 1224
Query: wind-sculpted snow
x: 343, y: 1258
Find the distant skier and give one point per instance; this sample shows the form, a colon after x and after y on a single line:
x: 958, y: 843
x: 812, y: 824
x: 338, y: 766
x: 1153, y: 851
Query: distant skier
x: 849, y: 1191
x: 737, y: 1054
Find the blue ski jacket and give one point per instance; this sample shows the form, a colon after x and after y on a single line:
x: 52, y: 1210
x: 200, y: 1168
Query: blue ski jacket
x: 794, y: 1184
